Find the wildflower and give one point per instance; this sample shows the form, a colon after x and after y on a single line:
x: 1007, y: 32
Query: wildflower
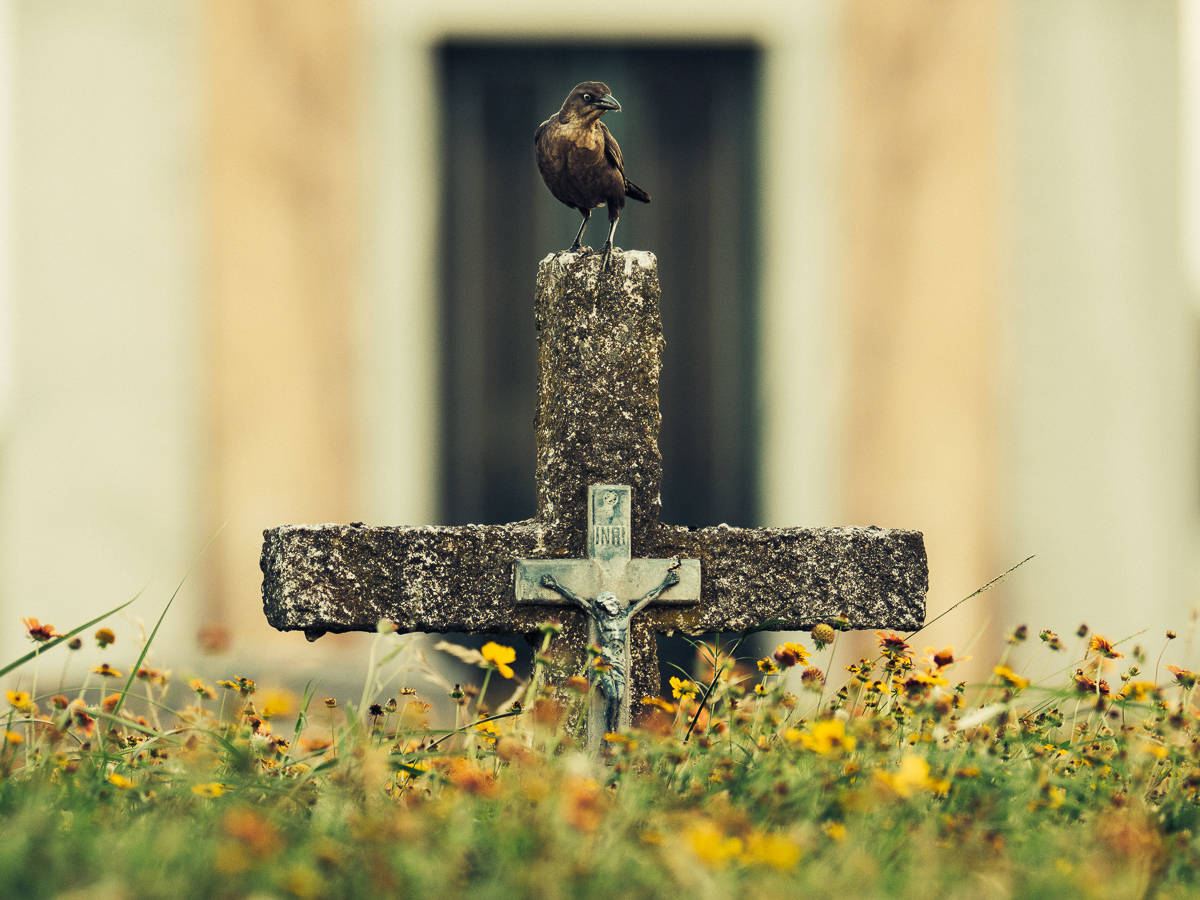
x: 550, y: 628
x: 1104, y: 648
x: 110, y: 702
x: 944, y: 658
x: 330, y: 703
x: 791, y: 654
x: 812, y: 678
x: 58, y: 701
x: 1082, y: 630
x: 489, y: 730
x: 75, y: 643
x: 244, y: 686
x: 913, y: 775
x: 469, y: 777
x: 1086, y: 685
x: 277, y: 703
x: 1171, y: 635
x: 918, y: 683
x: 712, y: 846
x: 1139, y: 690
x: 201, y: 689
x: 584, y: 803
x: 375, y: 711
x: 1011, y: 679
x: 681, y: 687
x: 660, y: 703
x: 767, y: 666
x: 823, y: 635
x: 1049, y: 637
x: 105, y: 637
x: 1018, y: 635
x: 209, y: 790
x: 120, y: 780
x: 892, y: 644
x: 252, y: 831
x: 13, y: 738
x: 836, y: 831
x: 825, y: 737
x: 38, y: 632
x: 391, y: 706
x: 19, y: 699
x: 499, y: 656
x: 104, y: 670
x: 1182, y: 676
x: 773, y: 850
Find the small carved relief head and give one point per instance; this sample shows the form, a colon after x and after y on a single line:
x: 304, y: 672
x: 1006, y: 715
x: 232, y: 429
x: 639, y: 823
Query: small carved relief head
x: 607, y: 601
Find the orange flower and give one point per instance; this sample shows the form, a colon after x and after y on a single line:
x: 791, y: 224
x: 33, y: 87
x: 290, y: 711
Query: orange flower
x: 1182, y: 676
x: 583, y: 804
x: 892, y: 644
x: 38, y: 632
x: 1104, y: 647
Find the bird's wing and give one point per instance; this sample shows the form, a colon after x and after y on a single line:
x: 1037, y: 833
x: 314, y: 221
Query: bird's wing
x: 612, y: 149
x: 541, y: 129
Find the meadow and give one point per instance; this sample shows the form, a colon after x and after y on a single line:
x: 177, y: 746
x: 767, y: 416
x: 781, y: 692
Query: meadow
x: 758, y: 777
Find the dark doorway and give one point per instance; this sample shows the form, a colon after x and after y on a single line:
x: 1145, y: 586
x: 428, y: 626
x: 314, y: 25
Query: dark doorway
x: 688, y: 131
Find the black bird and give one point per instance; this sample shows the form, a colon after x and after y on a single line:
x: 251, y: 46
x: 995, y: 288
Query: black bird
x: 580, y: 160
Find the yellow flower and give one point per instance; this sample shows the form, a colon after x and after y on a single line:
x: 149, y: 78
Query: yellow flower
x: 773, y: 850
x: 488, y: 730
x: 1139, y: 690
x: 13, y: 738
x: 767, y: 666
x: 825, y: 737
x: 1010, y: 678
x: 791, y: 654
x: 106, y: 671
x: 212, y: 789
x: 681, y: 688
x: 499, y: 656
x: 276, y: 702
x: 913, y: 775
x: 104, y: 637
x: 19, y: 699
x: 836, y: 831
x: 711, y: 845
x: 120, y: 780
x: 660, y: 703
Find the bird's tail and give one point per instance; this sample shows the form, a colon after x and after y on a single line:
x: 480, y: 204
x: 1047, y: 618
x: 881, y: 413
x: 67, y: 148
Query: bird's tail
x: 632, y: 190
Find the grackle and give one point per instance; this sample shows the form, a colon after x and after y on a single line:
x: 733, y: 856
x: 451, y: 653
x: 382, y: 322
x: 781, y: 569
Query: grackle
x: 580, y: 160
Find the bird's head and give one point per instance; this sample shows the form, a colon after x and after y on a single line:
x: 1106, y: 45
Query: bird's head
x: 588, y: 102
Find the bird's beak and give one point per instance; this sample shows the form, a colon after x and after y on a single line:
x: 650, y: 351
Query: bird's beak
x: 607, y: 102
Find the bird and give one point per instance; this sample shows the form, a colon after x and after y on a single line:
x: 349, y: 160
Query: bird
x: 581, y: 162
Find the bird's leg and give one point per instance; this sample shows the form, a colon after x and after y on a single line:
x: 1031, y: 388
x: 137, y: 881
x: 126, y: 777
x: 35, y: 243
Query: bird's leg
x: 608, y: 245
x: 576, y: 247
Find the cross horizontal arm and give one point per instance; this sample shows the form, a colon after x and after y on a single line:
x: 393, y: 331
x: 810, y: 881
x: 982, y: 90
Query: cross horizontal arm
x: 337, y: 578
x: 459, y: 578
x: 875, y: 577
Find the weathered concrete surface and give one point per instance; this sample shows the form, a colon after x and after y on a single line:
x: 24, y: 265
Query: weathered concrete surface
x: 343, y: 578
x: 600, y: 345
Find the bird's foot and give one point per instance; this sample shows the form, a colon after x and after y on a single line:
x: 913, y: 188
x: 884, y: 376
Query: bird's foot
x: 608, y: 249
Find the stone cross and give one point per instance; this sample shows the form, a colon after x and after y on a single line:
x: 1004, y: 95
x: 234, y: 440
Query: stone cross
x: 600, y: 349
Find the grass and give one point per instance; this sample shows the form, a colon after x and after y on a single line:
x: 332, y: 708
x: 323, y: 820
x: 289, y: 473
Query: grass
x: 871, y: 782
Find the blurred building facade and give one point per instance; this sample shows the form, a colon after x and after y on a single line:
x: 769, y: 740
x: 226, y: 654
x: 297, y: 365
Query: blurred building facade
x: 225, y: 264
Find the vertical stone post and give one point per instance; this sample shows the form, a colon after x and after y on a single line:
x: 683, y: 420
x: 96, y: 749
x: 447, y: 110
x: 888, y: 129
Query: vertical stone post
x: 600, y: 349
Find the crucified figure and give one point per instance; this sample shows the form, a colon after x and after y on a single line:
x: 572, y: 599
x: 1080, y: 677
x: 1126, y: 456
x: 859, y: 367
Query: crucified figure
x: 612, y: 620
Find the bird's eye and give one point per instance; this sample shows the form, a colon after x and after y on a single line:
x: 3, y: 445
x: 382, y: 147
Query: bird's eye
x: 587, y: 98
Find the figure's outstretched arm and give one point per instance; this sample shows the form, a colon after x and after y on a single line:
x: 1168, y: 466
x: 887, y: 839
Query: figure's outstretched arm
x: 671, y: 579
x: 549, y: 581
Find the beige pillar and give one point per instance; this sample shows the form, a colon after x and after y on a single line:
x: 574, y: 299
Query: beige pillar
x: 920, y: 268
x: 283, y: 170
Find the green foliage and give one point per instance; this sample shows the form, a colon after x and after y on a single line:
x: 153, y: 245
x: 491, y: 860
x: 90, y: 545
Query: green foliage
x: 733, y: 786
